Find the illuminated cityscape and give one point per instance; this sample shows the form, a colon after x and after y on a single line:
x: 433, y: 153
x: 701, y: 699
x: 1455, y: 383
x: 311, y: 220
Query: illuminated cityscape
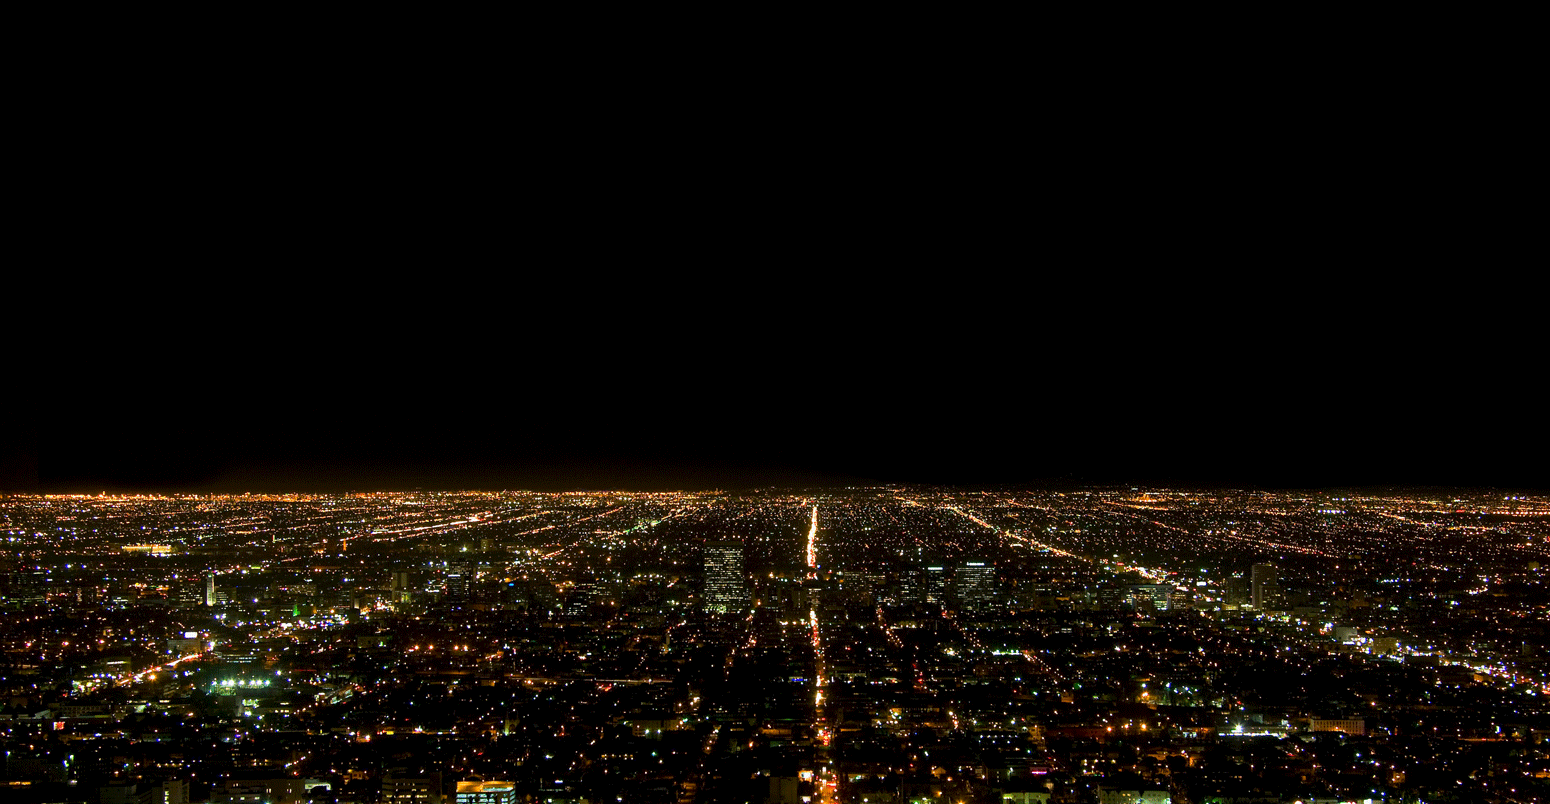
x: 838, y: 644
x: 833, y: 451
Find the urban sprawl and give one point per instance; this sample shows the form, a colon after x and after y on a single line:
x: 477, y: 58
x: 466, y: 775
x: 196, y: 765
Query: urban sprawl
x: 880, y: 644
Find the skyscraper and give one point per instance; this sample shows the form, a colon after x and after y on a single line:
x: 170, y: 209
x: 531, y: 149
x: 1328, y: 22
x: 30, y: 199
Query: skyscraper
x: 486, y: 793
x: 1267, y: 587
x: 411, y: 789
x: 402, y: 587
x: 1150, y: 596
x: 976, y: 585
x: 460, y: 579
x: 725, y: 589
x: 1237, y: 591
x: 578, y: 603
x: 936, y: 585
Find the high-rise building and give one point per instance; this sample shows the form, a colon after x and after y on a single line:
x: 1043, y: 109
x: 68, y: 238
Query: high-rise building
x: 726, y: 590
x: 912, y: 585
x: 1236, y: 591
x: 168, y: 792
x: 578, y: 602
x: 260, y: 791
x: 411, y: 789
x: 1111, y: 597
x: 460, y: 579
x: 190, y: 592
x: 486, y: 793
x: 210, y: 589
x: 977, y: 585
x: 1267, y: 586
x: 1153, y: 595
x: 936, y: 585
x: 402, y: 587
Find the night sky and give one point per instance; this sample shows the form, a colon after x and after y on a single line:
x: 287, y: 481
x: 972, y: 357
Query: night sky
x: 1237, y: 278
x: 704, y: 382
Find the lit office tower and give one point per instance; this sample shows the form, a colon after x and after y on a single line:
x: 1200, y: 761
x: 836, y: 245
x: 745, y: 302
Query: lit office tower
x: 1153, y: 596
x: 936, y: 585
x: 912, y: 584
x: 402, y: 587
x: 411, y: 789
x: 977, y: 586
x: 486, y: 793
x: 725, y: 590
x: 1236, y: 590
x: 191, y: 592
x: 1267, y: 587
x: 460, y: 578
x: 579, y: 602
x: 209, y: 589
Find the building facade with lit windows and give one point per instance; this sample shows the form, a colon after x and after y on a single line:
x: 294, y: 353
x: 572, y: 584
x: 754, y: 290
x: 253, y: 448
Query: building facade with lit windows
x: 1266, y: 586
x: 726, y: 588
x: 977, y: 586
x: 412, y: 789
x: 486, y: 793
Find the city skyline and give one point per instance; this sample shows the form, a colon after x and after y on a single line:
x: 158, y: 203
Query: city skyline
x: 873, y: 645
x: 1191, y: 451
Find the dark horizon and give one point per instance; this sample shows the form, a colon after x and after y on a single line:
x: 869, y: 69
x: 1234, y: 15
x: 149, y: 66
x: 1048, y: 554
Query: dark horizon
x: 582, y: 439
x: 966, y: 385
x: 675, y: 441
x: 144, y: 463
